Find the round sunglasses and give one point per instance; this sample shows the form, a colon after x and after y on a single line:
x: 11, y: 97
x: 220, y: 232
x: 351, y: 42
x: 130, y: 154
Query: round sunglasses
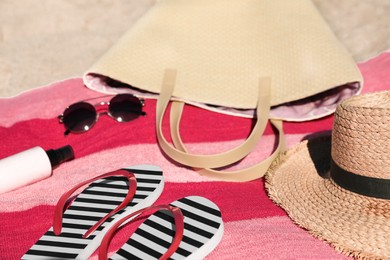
x: 82, y: 116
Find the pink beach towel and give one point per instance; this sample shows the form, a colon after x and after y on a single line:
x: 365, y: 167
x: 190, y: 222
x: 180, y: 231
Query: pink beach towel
x: 255, y: 228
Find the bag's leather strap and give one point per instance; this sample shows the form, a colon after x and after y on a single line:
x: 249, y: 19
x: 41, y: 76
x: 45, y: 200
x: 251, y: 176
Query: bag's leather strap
x: 247, y: 174
x: 205, y: 162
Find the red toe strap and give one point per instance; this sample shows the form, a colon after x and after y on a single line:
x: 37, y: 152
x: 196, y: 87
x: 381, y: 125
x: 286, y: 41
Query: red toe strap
x: 179, y: 224
x: 60, y: 207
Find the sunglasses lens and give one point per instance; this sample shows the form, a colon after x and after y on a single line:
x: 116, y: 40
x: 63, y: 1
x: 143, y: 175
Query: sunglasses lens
x: 125, y: 107
x: 79, y: 117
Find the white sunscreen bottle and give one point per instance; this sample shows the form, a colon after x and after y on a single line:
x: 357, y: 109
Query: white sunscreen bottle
x: 30, y: 166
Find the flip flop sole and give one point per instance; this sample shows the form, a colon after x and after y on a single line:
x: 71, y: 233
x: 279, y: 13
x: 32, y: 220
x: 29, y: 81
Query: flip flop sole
x: 203, y: 230
x: 93, y: 203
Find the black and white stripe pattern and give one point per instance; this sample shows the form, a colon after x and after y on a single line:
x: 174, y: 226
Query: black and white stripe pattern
x: 93, y: 203
x: 203, y: 230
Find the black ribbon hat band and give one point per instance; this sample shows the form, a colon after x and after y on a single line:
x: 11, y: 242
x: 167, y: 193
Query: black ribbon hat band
x: 363, y: 185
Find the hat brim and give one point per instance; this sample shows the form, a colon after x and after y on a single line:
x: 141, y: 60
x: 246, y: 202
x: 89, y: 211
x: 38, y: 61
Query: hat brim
x: 355, y: 225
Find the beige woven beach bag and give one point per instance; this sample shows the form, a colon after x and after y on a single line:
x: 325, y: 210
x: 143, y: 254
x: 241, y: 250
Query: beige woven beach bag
x: 278, y: 58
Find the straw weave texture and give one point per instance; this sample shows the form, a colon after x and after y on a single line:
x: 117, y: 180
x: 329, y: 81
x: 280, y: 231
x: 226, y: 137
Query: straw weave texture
x: 361, y: 135
x: 299, y: 182
x: 220, y: 48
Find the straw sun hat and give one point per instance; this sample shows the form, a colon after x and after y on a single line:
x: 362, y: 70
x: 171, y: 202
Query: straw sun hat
x: 338, y: 187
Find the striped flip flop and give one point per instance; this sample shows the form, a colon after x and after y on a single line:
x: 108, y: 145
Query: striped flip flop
x: 189, y: 228
x: 77, y: 232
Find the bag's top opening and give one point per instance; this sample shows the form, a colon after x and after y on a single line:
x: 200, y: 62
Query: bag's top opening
x: 309, y: 108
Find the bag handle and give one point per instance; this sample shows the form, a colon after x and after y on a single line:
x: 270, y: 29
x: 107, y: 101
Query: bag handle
x: 218, y: 160
x: 253, y: 172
